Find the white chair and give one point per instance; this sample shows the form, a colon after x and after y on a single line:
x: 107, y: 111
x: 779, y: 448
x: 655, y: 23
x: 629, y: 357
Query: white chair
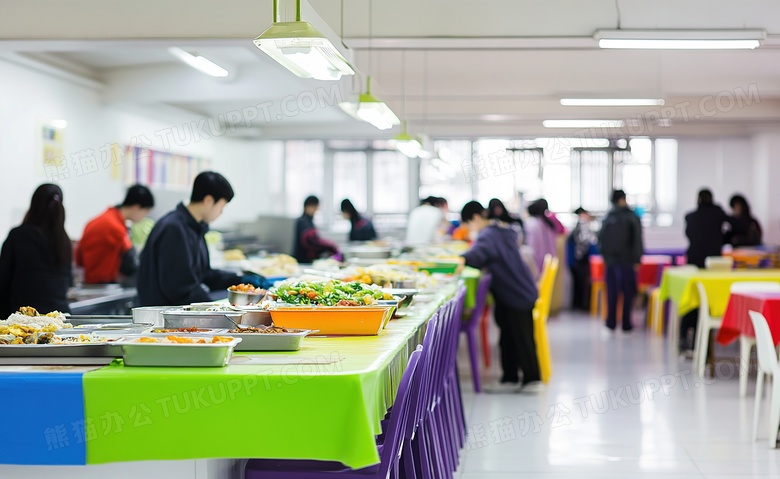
x: 746, y: 343
x: 767, y: 365
x: 704, y: 326
x: 719, y: 263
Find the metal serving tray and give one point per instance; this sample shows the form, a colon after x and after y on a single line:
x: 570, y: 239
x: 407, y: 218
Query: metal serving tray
x: 178, y: 318
x: 270, y: 341
x: 178, y: 355
x: 104, y: 350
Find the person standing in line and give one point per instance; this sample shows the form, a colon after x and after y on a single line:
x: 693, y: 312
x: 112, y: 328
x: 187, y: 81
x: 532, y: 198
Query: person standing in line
x: 105, y: 250
x: 621, y: 245
x: 175, y: 266
x: 540, y: 231
x: 36, y: 258
x: 309, y: 246
x: 515, y: 294
x: 424, y: 222
x: 582, y: 241
x: 745, y: 229
x: 362, y: 228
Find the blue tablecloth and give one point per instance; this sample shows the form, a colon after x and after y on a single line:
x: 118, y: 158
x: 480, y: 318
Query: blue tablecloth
x: 43, y: 428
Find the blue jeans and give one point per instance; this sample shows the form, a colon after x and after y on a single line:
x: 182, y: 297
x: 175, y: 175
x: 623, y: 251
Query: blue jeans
x: 621, y: 278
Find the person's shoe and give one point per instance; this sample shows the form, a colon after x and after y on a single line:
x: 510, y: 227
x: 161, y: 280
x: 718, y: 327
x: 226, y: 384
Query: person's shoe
x: 628, y: 332
x: 686, y: 354
x: 607, y: 333
x: 534, y: 387
x: 502, y: 388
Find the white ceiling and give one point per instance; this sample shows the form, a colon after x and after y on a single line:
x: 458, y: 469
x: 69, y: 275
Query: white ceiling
x: 462, y: 65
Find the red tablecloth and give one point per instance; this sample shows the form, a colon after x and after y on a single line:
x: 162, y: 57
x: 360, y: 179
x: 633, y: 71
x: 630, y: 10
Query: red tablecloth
x: 649, y: 269
x: 736, y: 320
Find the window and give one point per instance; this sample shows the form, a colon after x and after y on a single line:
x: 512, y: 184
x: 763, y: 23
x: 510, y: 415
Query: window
x: 391, y: 182
x: 444, y: 176
x: 304, y: 173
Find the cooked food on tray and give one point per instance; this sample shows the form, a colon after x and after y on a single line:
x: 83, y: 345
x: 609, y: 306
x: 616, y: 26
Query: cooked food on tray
x: 183, y: 330
x: 268, y: 330
x: 274, y: 266
x: 246, y: 288
x: 20, y: 334
x: 29, y: 317
x: 184, y: 340
x: 330, y: 293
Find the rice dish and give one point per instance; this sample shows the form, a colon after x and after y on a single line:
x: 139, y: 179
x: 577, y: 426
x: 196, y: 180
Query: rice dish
x: 45, y: 323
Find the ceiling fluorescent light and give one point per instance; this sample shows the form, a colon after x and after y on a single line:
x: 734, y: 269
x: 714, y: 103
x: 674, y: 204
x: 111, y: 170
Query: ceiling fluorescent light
x: 302, y: 49
x: 371, y: 109
x: 406, y: 144
x: 583, y: 123
x: 612, y: 102
x: 199, y: 63
x: 680, y: 39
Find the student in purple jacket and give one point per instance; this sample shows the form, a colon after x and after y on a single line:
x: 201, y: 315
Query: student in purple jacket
x: 514, y: 292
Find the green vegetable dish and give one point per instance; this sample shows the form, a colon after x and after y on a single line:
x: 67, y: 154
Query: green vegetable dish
x: 330, y: 293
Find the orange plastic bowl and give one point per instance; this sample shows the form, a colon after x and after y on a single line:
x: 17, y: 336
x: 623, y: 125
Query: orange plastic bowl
x: 336, y: 320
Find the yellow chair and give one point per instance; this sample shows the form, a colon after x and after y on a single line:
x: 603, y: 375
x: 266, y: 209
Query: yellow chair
x: 541, y: 313
x: 655, y: 312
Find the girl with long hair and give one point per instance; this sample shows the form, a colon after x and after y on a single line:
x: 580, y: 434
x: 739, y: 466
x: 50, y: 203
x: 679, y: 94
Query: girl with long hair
x: 362, y: 228
x: 35, y: 261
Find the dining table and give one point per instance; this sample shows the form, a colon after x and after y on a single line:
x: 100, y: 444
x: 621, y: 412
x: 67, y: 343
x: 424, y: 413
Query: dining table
x: 736, y: 319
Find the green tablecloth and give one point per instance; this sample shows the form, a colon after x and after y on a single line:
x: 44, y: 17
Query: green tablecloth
x: 299, y: 410
x: 679, y: 285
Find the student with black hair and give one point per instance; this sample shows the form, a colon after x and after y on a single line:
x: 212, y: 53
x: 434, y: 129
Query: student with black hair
x: 745, y: 229
x: 540, y: 232
x: 175, y: 268
x: 621, y: 245
x: 309, y: 246
x: 35, y: 262
x: 105, y: 250
x: 362, y: 228
x: 704, y: 228
x: 424, y: 221
x: 515, y: 294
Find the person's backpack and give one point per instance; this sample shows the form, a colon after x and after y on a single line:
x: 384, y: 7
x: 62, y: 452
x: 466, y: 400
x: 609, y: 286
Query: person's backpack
x: 615, y: 236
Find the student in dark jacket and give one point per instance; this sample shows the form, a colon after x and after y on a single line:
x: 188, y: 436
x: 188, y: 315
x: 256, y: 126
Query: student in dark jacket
x: 362, y: 228
x: 35, y: 262
x: 175, y: 267
x: 704, y: 229
x: 308, y: 243
x: 620, y: 243
x: 745, y: 229
x: 515, y: 294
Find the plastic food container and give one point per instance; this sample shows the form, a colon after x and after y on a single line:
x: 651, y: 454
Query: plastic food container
x: 270, y: 341
x: 335, y: 320
x: 178, y: 355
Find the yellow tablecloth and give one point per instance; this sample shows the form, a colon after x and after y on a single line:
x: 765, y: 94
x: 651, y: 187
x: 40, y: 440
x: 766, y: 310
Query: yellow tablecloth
x: 679, y: 285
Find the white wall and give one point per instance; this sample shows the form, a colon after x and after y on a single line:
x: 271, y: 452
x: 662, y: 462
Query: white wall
x: 765, y: 193
x: 29, y: 97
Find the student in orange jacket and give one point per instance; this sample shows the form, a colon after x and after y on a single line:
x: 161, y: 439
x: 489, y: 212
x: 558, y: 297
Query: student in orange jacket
x: 105, y: 250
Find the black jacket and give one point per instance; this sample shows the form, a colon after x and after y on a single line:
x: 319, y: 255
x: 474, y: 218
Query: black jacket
x: 362, y: 230
x: 308, y: 243
x: 620, y: 238
x: 744, y: 232
x: 30, y: 275
x: 174, y: 267
x: 704, y: 229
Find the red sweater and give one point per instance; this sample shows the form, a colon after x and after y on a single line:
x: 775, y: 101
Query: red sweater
x: 102, y: 245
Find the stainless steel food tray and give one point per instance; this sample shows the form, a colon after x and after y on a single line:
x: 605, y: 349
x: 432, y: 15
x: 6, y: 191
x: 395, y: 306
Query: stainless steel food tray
x: 178, y: 355
x: 178, y: 318
x: 270, y: 341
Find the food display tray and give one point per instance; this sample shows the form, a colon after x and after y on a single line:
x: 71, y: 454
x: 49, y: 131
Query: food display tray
x: 105, y: 350
x: 270, y: 341
x: 178, y: 355
x: 333, y: 320
x: 179, y: 318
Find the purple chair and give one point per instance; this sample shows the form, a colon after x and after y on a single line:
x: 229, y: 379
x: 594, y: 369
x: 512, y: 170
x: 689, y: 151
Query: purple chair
x: 389, y: 452
x: 470, y: 327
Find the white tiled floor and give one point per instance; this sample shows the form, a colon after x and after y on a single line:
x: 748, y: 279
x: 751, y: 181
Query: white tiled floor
x: 616, y: 407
